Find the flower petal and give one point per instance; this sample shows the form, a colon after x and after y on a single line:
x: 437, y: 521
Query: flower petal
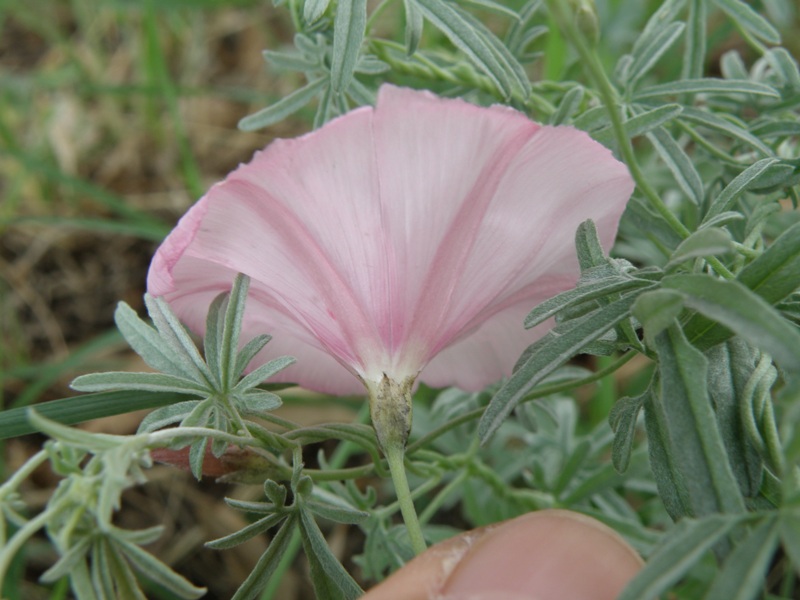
x: 422, y: 230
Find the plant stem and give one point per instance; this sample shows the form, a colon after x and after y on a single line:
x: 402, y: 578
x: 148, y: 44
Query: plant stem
x: 394, y: 455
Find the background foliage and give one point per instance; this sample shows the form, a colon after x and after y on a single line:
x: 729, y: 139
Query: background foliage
x: 666, y: 405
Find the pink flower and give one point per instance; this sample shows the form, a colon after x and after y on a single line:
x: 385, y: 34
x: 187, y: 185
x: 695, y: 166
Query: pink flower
x: 402, y: 242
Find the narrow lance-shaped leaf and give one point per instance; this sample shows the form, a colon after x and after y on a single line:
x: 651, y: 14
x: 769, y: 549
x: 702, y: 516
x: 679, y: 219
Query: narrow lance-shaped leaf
x: 742, y: 311
x: 314, y: 9
x: 647, y: 55
x: 641, y: 123
x: 707, y: 86
x: 726, y: 198
x: 348, y: 34
x: 710, y: 241
x: 745, y: 569
x: 681, y: 549
x: 328, y: 574
x: 147, y: 382
x: 229, y: 344
x: 147, y: 343
x: 414, y: 25
x: 548, y: 354
x: 284, y: 107
x: 155, y: 570
x: 450, y: 21
x: 749, y: 20
x: 623, y: 419
x: 679, y: 163
x: 266, y: 565
x: 680, y: 413
x: 695, y: 54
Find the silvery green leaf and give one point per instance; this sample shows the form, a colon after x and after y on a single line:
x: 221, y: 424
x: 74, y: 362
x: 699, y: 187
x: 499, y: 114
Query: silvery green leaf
x: 695, y: 54
x: 156, y: 571
x: 722, y: 219
x: 732, y: 66
x: 94, y: 442
x: 215, y: 325
x: 232, y: 327
x: 568, y: 106
x: 68, y: 561
x: 783, y: 62
x: 726, y: 126
x: 641, y: 123
x: 451, y: 21
x: 249, y: 351
x: 314, y: 9
x: 678, y: 163
x: 742, y: 311
x: 492, y: 6
x: 360, y: 94
x: 666, y: 13
x: 291, y: 61
x: 200, y: 414
x: 681, y: 412
x: 349, y: 27
x: 286, y: 106
x: 583, y: 293
x: 177, y: 338
x: 775, y: 177
x: 622, y: 418
x: 706, y: 86
x: 546, y: 355
x: 745, y: 569
x: 592, y: 119
x: 508, y: 61
x: 146, y: 382
x: 520, y: 28
x: 334, y: 508
x: 371, y: 65
x: 259, y: 508
x: 588, y: 247
x: 197, y: 453
x: 648, y: 51
x: 776, y: 272
x: 246, y: 533
x: 730, y: 368
x: 710, y: 241
x: 680, y: 550
x: 789, y: 526
x: 258, y: 402
x: 263, y: 372
x: 266, y: 565
x: 147, y: 343
x: 414, y: 26
x: 656, y: 310
x: 728, y: 196
x: 329, y: 577
x: 772, y: 129
x: 325, y: 109
x: 749, y: 20
x: 141, y: 537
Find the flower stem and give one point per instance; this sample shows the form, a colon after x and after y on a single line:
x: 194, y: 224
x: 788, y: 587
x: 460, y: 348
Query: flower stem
x: 394, y: 455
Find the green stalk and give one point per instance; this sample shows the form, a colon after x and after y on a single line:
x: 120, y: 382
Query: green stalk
x: 394, y: 455
x: 610, y: 100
